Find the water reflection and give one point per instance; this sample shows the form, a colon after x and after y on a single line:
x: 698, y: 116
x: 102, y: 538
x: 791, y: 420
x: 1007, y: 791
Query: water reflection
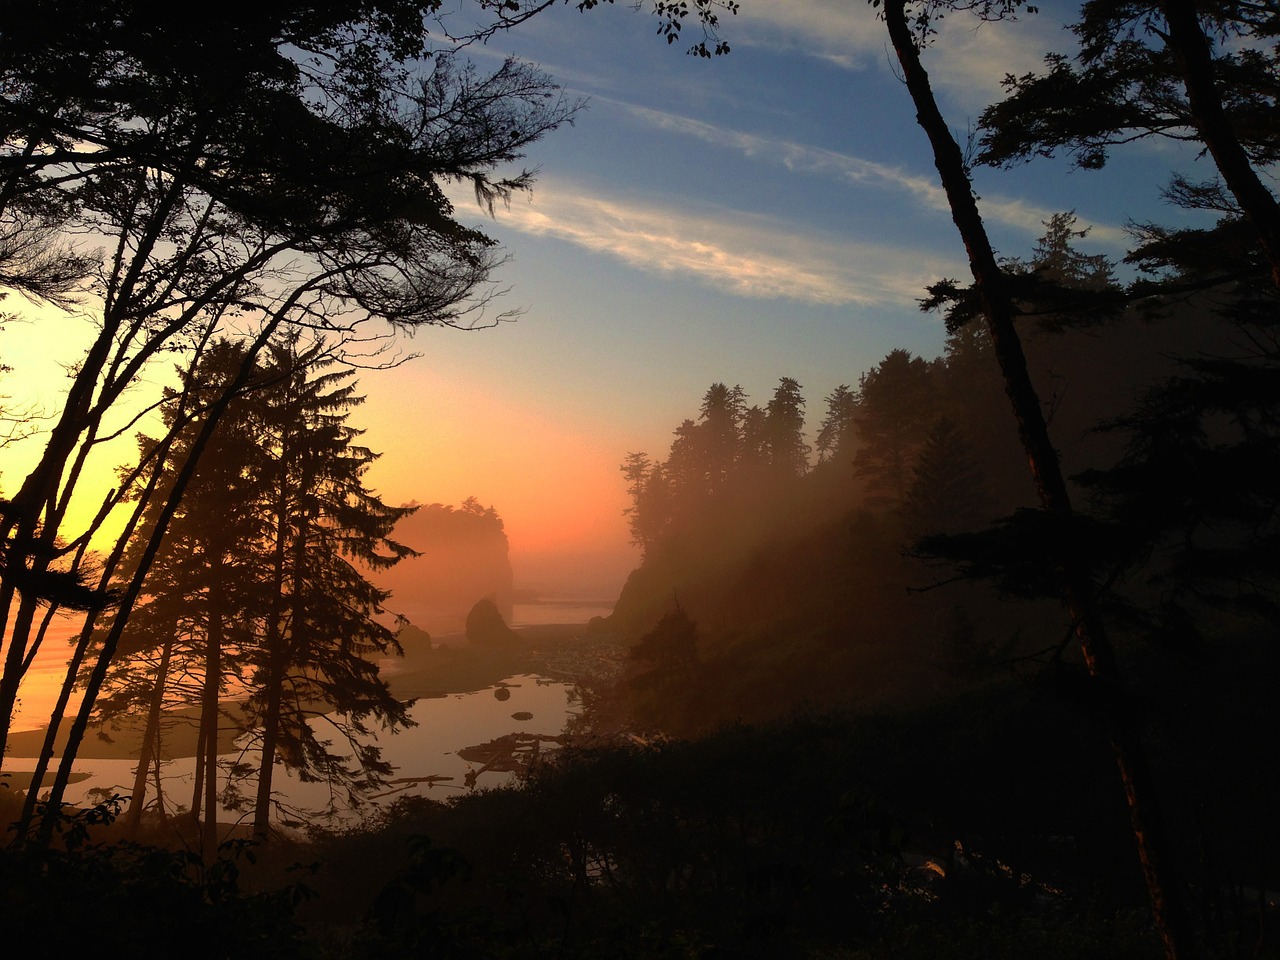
x: 425, y: 756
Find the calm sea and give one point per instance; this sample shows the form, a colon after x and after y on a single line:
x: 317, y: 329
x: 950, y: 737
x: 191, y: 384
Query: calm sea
x: 425, y: 756
x: 558, y: 611
x: 422, y: 754
x: 39, y: 691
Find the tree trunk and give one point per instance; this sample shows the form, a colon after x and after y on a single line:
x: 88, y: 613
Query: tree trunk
x: 209, y: 717
x: 27, y: 542
x: 150, y: 745
x: 270, y: 739
x: 1169, y: 911
x: 1190, y: 45
x: 197, y: 780
x: 134, y: 588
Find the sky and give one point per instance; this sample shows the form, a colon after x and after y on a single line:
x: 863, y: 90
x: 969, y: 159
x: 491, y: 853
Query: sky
x: 773, y: 213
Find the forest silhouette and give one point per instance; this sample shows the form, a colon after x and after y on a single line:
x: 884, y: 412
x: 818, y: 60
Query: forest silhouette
x: 982, y: 670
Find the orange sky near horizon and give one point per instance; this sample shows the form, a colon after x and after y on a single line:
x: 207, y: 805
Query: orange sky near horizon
x: 443, y: 435
x: 553, y: 478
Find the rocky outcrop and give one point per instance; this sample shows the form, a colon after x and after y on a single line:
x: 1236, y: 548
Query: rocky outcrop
x: 462, y: 557
x: 486, y: 628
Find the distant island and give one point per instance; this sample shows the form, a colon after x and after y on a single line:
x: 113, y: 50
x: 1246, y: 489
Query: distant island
x: 462, y: 559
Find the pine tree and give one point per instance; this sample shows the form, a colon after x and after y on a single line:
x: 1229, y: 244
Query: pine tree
x: 261, y: 587
x: 197, y: 616
x: 784, y: 430
x: 836, y: 435
x: 720, y: 425
x: 946, y: 493
x: 894, y: 416
x: 314, y: 653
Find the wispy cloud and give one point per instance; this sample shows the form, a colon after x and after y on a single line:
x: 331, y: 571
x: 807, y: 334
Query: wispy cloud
x: 843, y: 168
x: 736, y: 253
x: 967, y: 59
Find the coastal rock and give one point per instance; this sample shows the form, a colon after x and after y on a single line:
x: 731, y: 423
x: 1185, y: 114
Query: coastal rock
x: 414, y: 639
x: 485, y: 626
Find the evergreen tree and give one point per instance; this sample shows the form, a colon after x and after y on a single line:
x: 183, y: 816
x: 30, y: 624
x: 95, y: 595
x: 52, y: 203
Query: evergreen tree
x: 837, y: 433
x: 261, y: 587
x: 1164, y: 68
x: 720, y: 425
x: 784, y: 430
x: 649, y: 515
x: 894, y: 415
x: 1072, y: 560
x: 314, y: 655
x: 196, y: 620
x: 946, y: 493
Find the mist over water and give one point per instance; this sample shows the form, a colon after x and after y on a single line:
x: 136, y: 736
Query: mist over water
x: 40, y: 686
x: 425, y: 756
x: 558, y: 611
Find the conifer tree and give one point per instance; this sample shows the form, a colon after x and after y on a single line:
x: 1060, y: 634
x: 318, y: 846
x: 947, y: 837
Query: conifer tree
x: 314, y: 656
x: 894, y: 414
x: 784, y: 430
x: 946, y: 493
x: 837, y: 432
x: 720, y: 425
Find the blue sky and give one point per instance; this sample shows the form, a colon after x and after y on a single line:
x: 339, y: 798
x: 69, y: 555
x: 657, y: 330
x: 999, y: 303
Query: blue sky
x: 771, y: 213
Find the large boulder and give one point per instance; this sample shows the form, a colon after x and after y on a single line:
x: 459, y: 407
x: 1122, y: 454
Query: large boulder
x: 414, y: 639
x: 486, y: 628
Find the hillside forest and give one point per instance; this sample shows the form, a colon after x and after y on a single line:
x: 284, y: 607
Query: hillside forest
x: 969, y: 655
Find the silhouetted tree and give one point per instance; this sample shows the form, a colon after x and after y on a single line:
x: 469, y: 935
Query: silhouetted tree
x: 946, y: 493
x: 837, y: 433
x: 649, y: 515
x: 1154, y: 69
x: 314, y: 655
x: 894, y: 413
x: 303, y: 183
x: 200, y: 589
x: 784, y: 430
x: 721, y: 416
x: 1077, y: 590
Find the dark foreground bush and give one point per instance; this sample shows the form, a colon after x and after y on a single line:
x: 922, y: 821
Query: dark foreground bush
x: 83, y: 896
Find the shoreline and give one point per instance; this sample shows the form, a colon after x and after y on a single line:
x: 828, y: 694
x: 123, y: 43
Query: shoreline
x: 448, y: 668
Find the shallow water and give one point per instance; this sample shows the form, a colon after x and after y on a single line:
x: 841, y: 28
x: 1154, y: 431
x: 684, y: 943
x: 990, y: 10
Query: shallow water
x: 39, y: 691
x: 444, y: 726
x: 558, y: 611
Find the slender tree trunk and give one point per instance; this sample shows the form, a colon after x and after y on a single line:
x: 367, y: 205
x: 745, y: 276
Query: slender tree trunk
x: 274, y: 640
x: 1170, y: 914
x: 150, y: 746
x: 134, y: 589
x: 279, y: 646
x: 28, y: 543
x: 270, y: 740
x: 209, y: 720
x: 159, y: 458
x: 77, y: 658
x: 197, y: 780
x: 156, y: 770
x: 13, y: 666
x: 1190, y: 45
